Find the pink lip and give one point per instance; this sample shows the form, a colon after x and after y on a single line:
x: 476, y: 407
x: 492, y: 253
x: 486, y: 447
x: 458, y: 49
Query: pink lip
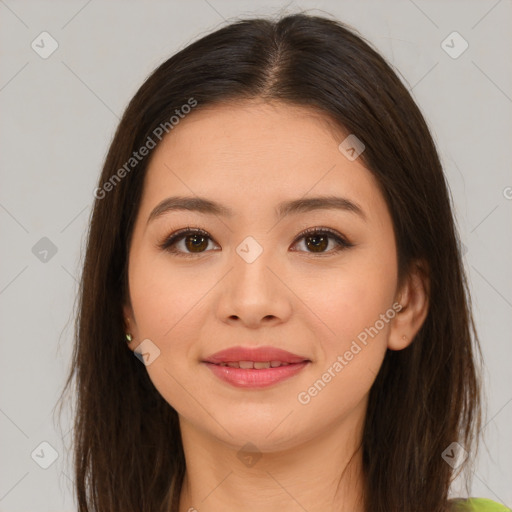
x: 253, y: 378
x: 260, y: 354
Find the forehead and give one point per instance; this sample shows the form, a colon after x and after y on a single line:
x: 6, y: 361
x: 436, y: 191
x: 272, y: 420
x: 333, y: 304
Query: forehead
x: 252, y: 132
x: 249, y: 153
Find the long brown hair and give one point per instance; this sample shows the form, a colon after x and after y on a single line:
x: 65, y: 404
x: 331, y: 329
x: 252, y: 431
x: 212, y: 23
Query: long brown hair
x: 128, y: 454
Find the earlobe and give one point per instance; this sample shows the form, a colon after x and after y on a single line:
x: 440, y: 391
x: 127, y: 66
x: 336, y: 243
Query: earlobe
x: 128, y: 326
x: 414, y: 299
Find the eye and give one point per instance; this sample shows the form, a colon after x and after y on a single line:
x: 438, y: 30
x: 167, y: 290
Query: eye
x: 195, y: 241
x: 317, y: 239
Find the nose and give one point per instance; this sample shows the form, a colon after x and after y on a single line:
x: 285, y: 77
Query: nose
x: 254, y: 292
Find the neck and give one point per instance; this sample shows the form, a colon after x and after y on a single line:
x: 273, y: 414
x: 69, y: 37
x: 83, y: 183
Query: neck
x: 323, y: 473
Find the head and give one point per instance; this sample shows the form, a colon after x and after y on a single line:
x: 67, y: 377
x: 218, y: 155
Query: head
x: 262, y: 118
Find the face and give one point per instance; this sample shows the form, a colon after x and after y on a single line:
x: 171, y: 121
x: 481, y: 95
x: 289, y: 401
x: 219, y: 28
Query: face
x: 251, y: 278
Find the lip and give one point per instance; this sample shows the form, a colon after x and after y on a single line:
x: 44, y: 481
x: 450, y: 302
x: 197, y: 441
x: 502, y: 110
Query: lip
x: 258, y: 354
x: 251, y: 377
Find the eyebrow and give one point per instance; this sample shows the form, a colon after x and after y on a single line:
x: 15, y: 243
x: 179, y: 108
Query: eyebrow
x: 294, y: 207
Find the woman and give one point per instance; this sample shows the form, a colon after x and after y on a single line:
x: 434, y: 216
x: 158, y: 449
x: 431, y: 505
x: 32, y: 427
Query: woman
x: 272, y: 237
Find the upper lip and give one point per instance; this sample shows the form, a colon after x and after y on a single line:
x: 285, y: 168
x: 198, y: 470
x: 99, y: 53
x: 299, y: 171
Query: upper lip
x: 259, y: 354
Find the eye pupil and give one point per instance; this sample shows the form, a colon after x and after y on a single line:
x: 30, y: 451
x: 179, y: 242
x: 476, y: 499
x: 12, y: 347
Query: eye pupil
x: 196, y: 245
x: 315, y: 245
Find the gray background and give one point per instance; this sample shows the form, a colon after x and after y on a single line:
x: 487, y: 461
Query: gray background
x: 58, y: 117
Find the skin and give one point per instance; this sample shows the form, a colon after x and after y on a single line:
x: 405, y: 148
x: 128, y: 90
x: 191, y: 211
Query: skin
x: 250, y: 156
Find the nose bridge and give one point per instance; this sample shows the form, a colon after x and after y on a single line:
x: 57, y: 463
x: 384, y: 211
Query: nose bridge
x: 252, y: 292
x: 251, y: 260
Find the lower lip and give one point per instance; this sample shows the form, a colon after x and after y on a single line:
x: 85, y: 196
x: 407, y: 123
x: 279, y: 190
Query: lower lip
x: 251, y: 378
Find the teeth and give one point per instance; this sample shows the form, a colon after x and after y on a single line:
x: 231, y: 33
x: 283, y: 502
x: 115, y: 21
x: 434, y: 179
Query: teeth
x: 257, y: 365
x: 261, y: 365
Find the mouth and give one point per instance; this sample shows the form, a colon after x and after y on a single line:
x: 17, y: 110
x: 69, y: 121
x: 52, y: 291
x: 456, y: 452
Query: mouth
x: 246, y: 355
x: 255, y: 367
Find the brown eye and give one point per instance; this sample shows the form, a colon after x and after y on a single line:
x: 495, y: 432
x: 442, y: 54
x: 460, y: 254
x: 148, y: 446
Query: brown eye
x: 195, y: 241
x: 317, y: 243
x: 317, y: 240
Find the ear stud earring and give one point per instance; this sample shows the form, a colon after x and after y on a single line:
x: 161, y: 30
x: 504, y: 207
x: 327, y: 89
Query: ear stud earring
x: 128, y: 337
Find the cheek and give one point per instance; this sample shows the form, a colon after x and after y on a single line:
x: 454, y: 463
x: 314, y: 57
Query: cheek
x: 170, y: 302
x: 357, y: 307
x: 162, y: 294
x: 352, y: 298
x: 165, y: 304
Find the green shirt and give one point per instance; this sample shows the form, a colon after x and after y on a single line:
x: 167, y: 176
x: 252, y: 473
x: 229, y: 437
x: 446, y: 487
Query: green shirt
x: 478, y: 505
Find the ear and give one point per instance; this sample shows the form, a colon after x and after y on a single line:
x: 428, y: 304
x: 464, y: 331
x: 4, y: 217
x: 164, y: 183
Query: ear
x: 130, y: 326
x: 414, y: 297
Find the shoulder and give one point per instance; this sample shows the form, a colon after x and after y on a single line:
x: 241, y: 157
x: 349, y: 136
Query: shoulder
x: 478, y: 505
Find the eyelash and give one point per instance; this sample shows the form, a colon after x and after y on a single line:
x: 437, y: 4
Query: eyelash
x: 175, y: 237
